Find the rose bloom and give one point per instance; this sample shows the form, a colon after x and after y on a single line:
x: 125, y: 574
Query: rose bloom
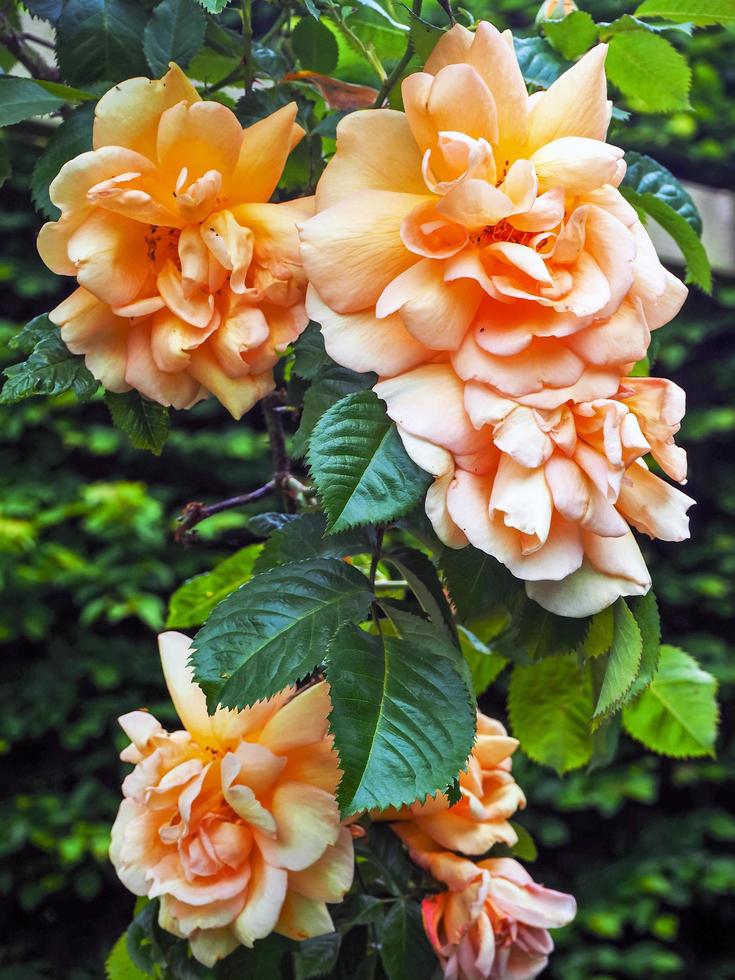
x: 489, y: 797
x: 484, y: 226
x: 492, y: 922
x: 550, y: 493
x: 232, y: 822
x: 189, y: 282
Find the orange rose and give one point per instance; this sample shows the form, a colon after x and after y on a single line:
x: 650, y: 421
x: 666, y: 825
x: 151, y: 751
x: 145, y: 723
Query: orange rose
x: 484, y: 226
x: 233, y: 822
x: 489, y: 797
x: 493, y: 922
x: 549, y: 492
x: 189, y: 282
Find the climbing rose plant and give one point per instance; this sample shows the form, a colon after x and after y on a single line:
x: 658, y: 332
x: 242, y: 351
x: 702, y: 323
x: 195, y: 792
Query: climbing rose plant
x: 441, y: 291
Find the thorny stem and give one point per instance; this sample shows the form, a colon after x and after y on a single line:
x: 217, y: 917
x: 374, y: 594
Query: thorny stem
x: 367, y: 50
x: 195, y: 512
x: 275, y: 26
x: 17, y: 44
x: 279, y: 455
x: 387, y: 87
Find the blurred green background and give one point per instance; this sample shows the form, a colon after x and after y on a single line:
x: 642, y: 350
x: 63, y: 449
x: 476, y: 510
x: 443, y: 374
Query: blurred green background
x: 87, y: 561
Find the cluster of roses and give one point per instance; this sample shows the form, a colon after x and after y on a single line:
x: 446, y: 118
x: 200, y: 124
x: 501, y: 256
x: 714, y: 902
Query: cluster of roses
x: 473, y: 250
x: 233, y: 824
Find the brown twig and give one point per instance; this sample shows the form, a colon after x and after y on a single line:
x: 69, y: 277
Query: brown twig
x: 16, y: 43
x: 279, y: 454
x: 195, y: 512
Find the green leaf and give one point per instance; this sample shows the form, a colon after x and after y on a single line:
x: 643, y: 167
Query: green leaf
x: 419, y: 571
x: 404, y: 949
x: 22, y: 98
x: 622, y: 662
x: 645, y: 610
x: 73, y: 136
x: 303, y: 537
x: 572, y: 35
x: 697, y: 263
x: 677, y: 715
x: 476, y: 581
x: 402, y: 716
x: 214, y: 6
x: 647, y: 176
x: 119, y: 966
x: 649, y: 71
x: 700, y: 12
x: 50, y: 369
x: 310, y: 356
x: 329, y: 385
x: 193, y: 601
x: 175, y: 32
x: 539, y: 63
x: 485, y: 664
x: 534, y: 634
x: 145, y: 423
x: 599, y: 636
x: 628, y: 23
x: 379, y: 9
x: 316, y: 957
x: 315, y: 46
x: 101, y: 39
x: 424, y: 36
x: 550, y: 707
x: 275, y: 629
x: 525, y: 847
x: 49, y: 10
x: 358, y: 462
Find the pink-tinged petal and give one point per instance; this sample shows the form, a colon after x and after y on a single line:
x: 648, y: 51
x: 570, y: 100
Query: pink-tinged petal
x: 452, y: 48
x: 241, y: 333
x: 195, y: 139
x: 429, y: 402
x: 238, y: 395
x: 172, y: 340
x: 361, y: 342
x: 590, y: 292
x: 263, y: 153
x: 546, y: 212
x: 508, y: 328
x: 188, y: 698
x: 652, y: 506
x: 128, y: 114
x: 520, y: 436
x: 427, y: 232
x: 353, y: 250
x: 619, y: 557
x: 523, y: 258
x: 460, y: 101
x: 259, y: 765
x: 532, y: 904
x: 613, y: 248
x: 440, y: 463
x: 89, y: 327
x: 243, y: 801
x: 435, y: 312
x: 593, y: 383
x: 209, y: 946
x: 484, y: 406
x: 196, y: 308
x: 623, y: 338
x: 109, y: 255
x: 577, y: 164
x: 231, y: 244
x: 659, y: 406
x: 588, y: 590
x: 575, y: 105
x: 303, y: 721
x: 183, y: 919
x: 469, y: 264
x: 308, y: 822
x: 177, y: 389
x: 580, y: 501
x: 523, y: 499
x: 375, y: 151
x: 263, y: 902
x: 330, y: 877
x: 495, y: 61
x: 661, y: 293
x: 546, y: 362
x: 475, y: 204
x: 302, y: 918
x: 130, y: 872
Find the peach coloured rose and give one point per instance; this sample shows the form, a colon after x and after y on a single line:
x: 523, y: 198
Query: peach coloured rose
x: 484, y: 226
x: 490, y: 796
x: 550, y: 492
x: 189, y: 282
x: 232, y: 822
x: 493, y: 922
